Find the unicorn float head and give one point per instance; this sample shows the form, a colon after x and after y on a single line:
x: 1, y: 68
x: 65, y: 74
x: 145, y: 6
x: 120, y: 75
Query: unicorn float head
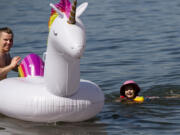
x: 66, y: 43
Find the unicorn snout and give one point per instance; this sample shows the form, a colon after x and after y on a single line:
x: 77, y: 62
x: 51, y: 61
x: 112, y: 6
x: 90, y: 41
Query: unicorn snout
x: 78, y: 50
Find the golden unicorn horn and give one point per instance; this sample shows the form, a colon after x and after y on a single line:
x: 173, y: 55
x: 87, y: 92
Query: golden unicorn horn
x: 72, y: 17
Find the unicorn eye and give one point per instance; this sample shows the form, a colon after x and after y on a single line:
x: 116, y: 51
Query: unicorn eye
x: 55, y: 33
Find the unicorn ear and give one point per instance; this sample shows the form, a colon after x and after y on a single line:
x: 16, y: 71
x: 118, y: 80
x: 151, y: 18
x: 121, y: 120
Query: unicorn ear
x: 56, y: 9
x: 80, y: 9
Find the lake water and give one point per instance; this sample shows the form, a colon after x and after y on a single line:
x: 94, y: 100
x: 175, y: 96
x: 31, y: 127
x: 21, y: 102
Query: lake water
x: 126, y: 39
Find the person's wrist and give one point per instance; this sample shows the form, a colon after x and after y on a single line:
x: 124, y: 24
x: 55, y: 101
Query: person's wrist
x: 11, y: 66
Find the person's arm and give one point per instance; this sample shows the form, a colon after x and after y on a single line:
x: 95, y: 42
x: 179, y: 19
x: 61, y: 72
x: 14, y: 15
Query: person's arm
x: 8, y: 68
x: 121, y: 99
x: 5, y: 70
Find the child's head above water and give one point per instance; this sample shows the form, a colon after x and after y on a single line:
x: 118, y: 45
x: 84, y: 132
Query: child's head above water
x: 129, y: 89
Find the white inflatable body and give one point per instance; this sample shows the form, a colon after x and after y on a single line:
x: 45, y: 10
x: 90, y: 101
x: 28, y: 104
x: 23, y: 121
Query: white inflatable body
x: 60, y: 95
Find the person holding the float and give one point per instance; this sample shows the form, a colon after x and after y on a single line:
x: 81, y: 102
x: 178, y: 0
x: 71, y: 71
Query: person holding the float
x: 6, y: 62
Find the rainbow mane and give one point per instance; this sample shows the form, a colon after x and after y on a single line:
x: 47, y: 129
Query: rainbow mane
x: 63, y: 6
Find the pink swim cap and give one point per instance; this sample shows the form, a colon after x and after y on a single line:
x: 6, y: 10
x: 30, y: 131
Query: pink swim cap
x: 129, y: 82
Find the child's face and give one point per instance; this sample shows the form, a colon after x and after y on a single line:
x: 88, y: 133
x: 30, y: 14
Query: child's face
x: 129, y: 92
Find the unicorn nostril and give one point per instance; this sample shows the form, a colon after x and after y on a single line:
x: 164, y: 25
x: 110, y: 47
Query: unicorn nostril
x: 55, y: 33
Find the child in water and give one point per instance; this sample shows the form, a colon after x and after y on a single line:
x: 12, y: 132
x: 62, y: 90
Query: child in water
x: 129, y: 93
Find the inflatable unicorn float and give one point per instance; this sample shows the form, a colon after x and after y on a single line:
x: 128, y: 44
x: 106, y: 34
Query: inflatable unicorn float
x: 53, y: 91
